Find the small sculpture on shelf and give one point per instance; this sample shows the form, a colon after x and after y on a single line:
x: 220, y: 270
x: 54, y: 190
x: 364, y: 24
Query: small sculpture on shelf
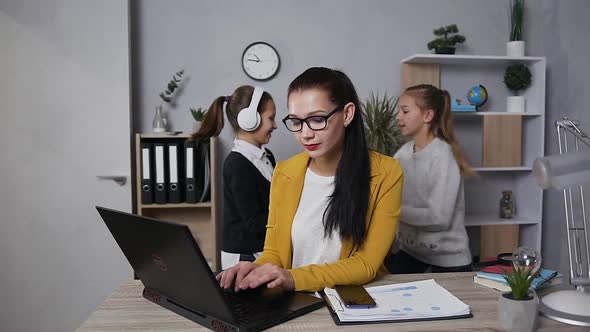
x: 506, y: 206
x: 458, y: 106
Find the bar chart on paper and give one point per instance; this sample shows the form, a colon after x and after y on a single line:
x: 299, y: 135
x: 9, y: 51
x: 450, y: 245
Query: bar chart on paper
x: 420, y: 300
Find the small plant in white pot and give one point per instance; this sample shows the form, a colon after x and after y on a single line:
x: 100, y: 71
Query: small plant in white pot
x: 517, y: 309
x: 198, y: 114
x: 515, y: 47
x: 517, y: 78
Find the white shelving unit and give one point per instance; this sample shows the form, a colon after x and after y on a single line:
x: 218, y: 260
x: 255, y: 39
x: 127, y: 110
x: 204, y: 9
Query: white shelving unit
x: 457, y: 74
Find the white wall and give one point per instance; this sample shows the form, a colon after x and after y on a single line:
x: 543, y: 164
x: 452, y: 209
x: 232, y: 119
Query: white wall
x: 367, y: 39
x: 64, y: 119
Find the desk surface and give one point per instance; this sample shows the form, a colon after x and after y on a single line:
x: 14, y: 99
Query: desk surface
x: 126, y: 310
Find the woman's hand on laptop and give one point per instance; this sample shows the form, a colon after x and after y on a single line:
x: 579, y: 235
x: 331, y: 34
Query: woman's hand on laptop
x: 236, y: 273
x: 269, y: 274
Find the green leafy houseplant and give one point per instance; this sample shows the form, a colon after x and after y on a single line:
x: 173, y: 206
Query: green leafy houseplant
x: 517, y: 77
x: 198, y: 113
x: 516, y: 11
x: 444, y: 43
x: 382, y: 133
x: 520, y: 281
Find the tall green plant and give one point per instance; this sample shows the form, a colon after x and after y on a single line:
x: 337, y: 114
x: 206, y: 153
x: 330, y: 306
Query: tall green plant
x: 382, y: 132
x: 516, y: 11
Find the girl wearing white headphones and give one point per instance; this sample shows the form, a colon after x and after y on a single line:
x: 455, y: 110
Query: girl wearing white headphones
x: 247, y: 170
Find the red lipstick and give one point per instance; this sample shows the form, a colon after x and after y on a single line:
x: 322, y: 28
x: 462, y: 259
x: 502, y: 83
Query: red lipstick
x: 312, y: 147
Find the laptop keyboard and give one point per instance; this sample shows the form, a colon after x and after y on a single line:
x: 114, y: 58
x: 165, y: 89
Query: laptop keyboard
x: 247, y: 311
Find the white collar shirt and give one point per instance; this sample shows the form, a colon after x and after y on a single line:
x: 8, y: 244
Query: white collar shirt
x: 257, y: 156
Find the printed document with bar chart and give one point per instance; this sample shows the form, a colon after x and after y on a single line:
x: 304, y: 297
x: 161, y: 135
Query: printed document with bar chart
x: 419, y: 300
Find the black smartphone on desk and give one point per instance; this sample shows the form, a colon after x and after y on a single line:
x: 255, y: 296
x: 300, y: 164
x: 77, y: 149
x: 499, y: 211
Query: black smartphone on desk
x: 355, y: 296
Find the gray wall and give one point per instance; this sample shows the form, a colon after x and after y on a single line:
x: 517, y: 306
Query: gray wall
x: 557, y: 30
x: 367, y: 39
x: 65, y: 82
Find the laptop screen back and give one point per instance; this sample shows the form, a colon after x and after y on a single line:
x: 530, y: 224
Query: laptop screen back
x: 166, y: 259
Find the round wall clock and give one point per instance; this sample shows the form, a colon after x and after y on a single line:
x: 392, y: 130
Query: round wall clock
x: 260, y: 61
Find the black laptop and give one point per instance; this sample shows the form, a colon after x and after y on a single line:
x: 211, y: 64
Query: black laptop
x: 176, y: 276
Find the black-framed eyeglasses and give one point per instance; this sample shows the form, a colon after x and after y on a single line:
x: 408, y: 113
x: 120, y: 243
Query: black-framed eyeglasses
x: 314, y: 122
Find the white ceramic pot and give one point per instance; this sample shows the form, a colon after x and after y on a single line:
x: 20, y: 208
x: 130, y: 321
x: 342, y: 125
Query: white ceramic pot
x: 196, y: 126
x: 515, y: 48
x: 517, y: 315
x: 515, y: 104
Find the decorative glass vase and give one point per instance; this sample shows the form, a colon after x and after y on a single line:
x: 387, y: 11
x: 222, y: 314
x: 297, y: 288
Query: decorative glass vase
x: 506, y: 206
x: 159, y: 123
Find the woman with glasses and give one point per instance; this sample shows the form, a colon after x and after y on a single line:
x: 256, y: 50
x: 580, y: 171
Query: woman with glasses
x: 247, y: 169
x: 334, y: 207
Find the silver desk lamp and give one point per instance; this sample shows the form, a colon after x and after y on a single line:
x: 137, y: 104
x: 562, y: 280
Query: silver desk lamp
x: 569, y: 171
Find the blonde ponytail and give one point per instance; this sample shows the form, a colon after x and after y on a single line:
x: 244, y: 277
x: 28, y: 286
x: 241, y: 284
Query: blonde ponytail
x: 430, y: 97
x: 446, y: 132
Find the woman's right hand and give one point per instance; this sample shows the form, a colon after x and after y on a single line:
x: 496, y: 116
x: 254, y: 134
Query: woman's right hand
x: 235, y: 274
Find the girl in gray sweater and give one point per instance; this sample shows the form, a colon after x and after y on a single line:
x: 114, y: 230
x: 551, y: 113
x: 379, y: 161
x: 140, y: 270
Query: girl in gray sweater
x: 431, y: 231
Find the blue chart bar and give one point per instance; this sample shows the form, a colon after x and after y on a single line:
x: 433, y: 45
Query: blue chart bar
x: 398, y: 289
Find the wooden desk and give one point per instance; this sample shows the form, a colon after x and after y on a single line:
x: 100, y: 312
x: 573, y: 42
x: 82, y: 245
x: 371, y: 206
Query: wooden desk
x: 127, y: 310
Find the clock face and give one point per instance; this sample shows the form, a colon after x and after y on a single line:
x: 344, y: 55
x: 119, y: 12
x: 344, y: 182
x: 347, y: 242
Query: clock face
x: 260, y: 61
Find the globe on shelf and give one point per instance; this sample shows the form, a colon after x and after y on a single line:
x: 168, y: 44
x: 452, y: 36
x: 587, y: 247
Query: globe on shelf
x: 526, y: 258
x: 477, y: 95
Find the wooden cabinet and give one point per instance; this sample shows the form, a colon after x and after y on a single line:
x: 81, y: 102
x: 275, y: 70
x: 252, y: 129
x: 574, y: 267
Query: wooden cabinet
x: 199, y: 217
x: 501, y: 146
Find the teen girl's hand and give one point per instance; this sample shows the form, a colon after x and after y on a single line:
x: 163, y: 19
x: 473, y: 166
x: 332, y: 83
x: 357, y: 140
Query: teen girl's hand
x: 236, y: 273
x: 269, y: 274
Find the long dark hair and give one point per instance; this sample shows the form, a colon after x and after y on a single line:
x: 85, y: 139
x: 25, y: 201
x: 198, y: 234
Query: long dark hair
x: 347, y: 206
x: 240, y: 99
x: 429, y: 97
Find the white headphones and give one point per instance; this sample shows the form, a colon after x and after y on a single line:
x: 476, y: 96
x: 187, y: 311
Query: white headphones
x: 249, y: 118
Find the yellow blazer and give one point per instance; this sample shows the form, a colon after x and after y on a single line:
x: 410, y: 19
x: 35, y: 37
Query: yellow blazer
x: 356, y: 266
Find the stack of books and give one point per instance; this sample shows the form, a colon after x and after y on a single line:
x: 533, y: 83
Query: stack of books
x: 493, y: 277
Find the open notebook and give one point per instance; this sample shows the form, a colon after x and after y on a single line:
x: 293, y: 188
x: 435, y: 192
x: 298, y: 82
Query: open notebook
x: 412, y: 301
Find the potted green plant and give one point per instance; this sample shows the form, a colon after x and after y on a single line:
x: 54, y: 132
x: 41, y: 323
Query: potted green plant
x: 517, y: 77
x: 159, y: 124
x: 382, y: 133
x: 198, y: 114
x: 515, y: 47
x: 445, y: 42
x: 517, y: 309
